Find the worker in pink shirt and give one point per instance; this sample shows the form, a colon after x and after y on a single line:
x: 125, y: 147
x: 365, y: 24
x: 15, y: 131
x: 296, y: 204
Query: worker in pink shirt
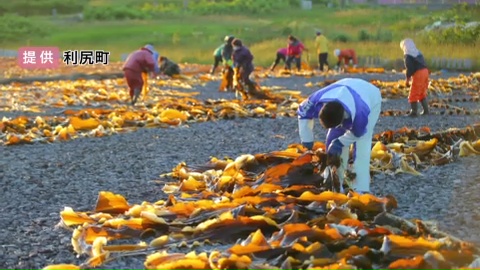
x: 281, y: 56
x: 295, y: 49
x: 139, y: 61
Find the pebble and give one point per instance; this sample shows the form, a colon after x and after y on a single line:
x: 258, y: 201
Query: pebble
x: 129, y: 163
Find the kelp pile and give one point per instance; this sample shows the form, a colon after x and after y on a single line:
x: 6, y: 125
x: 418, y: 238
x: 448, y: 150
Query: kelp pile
x: 466, y: 85
x: 11, y: 69
x: 169, y: 112
x: 462, y: 85
x: 275, y: 211
x: 170, y: 108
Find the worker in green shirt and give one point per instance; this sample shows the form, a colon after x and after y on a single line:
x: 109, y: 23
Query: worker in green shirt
x: 217, y: 58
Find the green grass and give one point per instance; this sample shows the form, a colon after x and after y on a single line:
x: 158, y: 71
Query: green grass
x: 192, y: 38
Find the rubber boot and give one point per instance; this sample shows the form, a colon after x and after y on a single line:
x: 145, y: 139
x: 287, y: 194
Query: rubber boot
x: 136, y: 94
x: 414, y: 111
x: 424, y: 103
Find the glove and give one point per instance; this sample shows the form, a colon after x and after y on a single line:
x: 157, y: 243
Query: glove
x: 308, y: 145
x: 335, y: 148
x: 333, y: 153
x: 334, y: 161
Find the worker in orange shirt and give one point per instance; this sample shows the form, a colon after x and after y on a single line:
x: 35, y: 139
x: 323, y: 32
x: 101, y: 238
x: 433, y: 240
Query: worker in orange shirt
x: 347, y: 56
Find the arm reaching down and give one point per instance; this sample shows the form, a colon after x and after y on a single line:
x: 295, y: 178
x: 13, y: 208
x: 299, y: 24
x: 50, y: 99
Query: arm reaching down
x: 307, y: 112
x: 149, y: 62
x: 305, y: 128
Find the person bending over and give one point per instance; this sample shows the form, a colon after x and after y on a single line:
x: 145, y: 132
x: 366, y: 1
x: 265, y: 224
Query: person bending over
x: 349, y: 109
x: 168, y: 67
x: 138, y: 62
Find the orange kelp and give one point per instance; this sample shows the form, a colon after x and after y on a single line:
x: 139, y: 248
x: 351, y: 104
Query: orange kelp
x: 168, y: 112
x: 168, y: 108
x: 463, y: 84
x: 274, y: 211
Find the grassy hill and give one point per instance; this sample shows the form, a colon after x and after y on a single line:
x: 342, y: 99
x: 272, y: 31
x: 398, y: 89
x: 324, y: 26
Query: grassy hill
x: 191, y: 34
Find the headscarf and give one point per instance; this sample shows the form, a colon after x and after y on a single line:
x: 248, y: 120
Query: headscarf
x: 409, y: 47
x: 149, y: 47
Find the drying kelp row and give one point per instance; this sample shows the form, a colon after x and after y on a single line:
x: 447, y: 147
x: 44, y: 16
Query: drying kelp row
x: 41, y: 96
x: 12, y: 70
x: 275, y: 210
x: 168, y: 112
x: 467, y: 85
x: 464, y: 84
x: 170, y: 108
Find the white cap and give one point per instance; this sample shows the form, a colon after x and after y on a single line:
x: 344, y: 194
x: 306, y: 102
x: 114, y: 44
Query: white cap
x: 336, y: 52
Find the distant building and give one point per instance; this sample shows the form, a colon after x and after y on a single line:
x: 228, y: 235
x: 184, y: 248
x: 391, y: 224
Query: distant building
x: 425, y: 2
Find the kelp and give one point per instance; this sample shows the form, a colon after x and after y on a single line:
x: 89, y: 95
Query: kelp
x: 104, y: 111
x: 259, y: 212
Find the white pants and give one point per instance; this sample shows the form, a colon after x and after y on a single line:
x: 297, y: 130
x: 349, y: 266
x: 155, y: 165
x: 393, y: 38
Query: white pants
x: 361, y: 164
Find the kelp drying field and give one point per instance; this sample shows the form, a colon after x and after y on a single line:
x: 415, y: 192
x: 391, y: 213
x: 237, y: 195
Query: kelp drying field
x: 105, y: 112
x: 192, y: 178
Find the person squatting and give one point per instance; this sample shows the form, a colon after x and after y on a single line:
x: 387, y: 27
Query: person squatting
x: 349, y: 109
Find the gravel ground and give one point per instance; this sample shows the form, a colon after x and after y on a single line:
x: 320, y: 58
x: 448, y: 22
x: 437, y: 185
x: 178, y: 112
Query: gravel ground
x: 38, y: 180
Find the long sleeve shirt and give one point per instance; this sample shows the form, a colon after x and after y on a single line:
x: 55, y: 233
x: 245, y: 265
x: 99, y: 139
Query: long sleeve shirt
x: 243, y: 58
x: 295, y: 48
x: 282, y: 51
x: 321, y: 43
x: 412, y: 64
x: 218, y: 51
x: 227, y: 53
x: 140, y: 61
x: 357, y: 98
x: 346, y: 55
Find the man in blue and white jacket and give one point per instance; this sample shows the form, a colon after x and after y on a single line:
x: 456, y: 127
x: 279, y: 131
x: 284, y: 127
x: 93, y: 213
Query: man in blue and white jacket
x: 349, y: 109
